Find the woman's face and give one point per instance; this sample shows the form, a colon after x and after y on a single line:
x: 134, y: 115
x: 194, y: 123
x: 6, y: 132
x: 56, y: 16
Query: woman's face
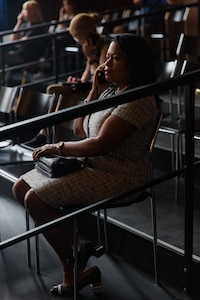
x: 116, y: 66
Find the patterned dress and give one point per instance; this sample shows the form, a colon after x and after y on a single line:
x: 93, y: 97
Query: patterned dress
x: 124, y: 168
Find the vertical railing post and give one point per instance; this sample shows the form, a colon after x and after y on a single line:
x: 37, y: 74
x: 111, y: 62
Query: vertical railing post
x: 189, y: 187
x: 55, y: 60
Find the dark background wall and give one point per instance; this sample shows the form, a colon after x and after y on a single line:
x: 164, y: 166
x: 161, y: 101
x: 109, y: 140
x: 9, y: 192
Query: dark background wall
x: 10, y: 8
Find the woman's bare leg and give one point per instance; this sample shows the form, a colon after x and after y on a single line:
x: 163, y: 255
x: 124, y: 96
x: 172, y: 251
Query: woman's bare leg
x: 59, y: 237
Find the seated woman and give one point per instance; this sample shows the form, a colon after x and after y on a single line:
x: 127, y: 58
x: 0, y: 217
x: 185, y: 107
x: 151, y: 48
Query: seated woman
x: 115, y: 142
x: 30, y: 15
x: 67, y: 11
x: 83, y: 28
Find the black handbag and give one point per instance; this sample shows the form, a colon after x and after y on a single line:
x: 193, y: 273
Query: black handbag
x: 57, y: 166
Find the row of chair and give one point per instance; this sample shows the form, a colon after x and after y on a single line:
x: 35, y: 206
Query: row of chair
x: 17, y: 104
x: 173, y: 124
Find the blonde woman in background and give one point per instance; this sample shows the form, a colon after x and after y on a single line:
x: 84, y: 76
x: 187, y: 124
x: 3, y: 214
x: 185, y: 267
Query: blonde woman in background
x: 29, y: 16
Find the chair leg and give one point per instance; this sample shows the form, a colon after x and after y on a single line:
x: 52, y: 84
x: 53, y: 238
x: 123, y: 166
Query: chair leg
x: 37, y: 253
x: 29, y: 246
x: 178, y: 154
x: 75, y: 256
x: 99, y: 226
x: 28, y: 240
x: 155, y: 242
x: 154, y: 229
x: 105, y: 230
x: 172, y: 152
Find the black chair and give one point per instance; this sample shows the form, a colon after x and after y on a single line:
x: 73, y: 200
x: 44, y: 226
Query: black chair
x: 175, y: 23
x: 144, y: 195
x: 29, y: 104
x: 16, y: 158
x: 8, y: 96
x: 188, y: 59
x: 11, y: 173
x: 165, y: 42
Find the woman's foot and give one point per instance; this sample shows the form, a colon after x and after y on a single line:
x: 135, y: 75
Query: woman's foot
x: 92, y: 276
x: 86, y: 250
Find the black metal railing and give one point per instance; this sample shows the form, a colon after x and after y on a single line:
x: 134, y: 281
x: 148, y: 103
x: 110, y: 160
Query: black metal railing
x: 188, y: 81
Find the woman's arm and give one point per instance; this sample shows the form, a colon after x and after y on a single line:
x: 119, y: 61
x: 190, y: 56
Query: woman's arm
x: 16, y: 35
x: 112, y: 133
x: 86, y: 76
x: 97, y: 88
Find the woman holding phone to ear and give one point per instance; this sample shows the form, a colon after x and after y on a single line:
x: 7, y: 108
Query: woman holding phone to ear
x: 115, y: 141
x: 29, y: 16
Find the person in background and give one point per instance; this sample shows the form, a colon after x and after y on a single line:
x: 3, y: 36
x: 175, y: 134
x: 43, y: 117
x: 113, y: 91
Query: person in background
x: 66, y: 13
x: 83, y: 28
x: 29, y: 16
x: 115, y: 140
x: 151, y: 24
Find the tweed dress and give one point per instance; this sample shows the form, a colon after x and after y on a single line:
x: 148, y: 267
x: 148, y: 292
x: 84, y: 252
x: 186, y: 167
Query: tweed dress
x: 124, y: 168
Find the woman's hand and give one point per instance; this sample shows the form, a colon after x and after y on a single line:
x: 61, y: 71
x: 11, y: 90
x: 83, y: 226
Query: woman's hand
x: 45, y: 150
x: 72, y: 79
x: 20, y: 18
x: 88, y: 49
x: 99, y: 82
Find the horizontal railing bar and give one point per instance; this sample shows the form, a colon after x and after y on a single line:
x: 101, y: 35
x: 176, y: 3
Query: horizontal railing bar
x: 43, y: 121
x: 87, y: 209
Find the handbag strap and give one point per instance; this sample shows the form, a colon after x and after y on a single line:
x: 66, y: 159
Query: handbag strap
x: 85, y: 162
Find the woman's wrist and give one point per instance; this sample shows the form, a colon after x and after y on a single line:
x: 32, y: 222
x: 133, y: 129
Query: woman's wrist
x: 93, y: 61
x: 59, y: 148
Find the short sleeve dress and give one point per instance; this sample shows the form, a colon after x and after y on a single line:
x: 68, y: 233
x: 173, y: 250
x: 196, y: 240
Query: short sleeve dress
x: 124, y: 168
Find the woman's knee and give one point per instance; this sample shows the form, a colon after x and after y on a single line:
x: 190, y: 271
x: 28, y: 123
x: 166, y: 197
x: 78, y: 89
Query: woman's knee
x: 19, y: 190
x: 31, y: 201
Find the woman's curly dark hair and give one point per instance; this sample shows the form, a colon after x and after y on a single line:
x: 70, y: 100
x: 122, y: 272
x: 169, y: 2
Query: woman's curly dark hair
x: 139, y: 57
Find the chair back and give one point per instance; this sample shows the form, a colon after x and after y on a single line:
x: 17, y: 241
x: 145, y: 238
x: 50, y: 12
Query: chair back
x: 31, y: 104
x: 8, y: 96
x: 175, y: 23
x: 188, y: 48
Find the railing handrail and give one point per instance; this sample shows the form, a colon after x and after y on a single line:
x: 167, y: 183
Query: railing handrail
x: 70, y: 113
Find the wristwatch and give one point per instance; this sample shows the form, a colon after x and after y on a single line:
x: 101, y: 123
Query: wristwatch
x: 59, y: 147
